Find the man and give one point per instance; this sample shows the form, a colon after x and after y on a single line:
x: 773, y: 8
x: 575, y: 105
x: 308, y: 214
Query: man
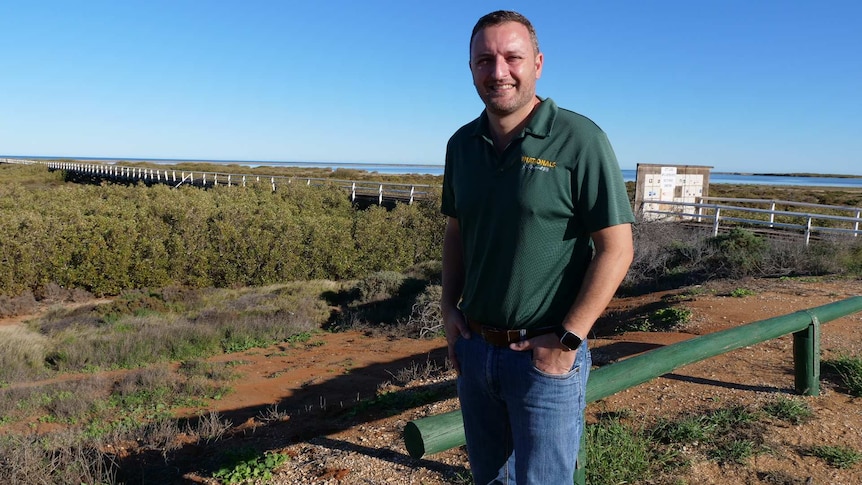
x: 537, y: 241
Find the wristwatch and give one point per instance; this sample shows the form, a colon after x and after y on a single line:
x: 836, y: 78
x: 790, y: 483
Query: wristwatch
x: 568, y: 339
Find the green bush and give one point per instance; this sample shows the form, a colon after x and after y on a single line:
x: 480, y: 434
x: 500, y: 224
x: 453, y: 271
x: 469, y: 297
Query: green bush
x: 109, y: 238
x: 739, y: 253
x: 380, y: 285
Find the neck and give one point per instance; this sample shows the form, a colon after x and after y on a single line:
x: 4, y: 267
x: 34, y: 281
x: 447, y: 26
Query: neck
x: 504, y: 128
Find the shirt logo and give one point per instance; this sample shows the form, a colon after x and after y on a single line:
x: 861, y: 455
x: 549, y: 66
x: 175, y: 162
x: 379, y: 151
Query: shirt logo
x: 532, y: 163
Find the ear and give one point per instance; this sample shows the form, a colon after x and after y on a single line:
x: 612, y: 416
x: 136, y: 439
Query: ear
x: 540, y: 61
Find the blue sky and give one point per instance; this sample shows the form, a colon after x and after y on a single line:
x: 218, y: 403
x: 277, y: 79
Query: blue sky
x: 754, y: 85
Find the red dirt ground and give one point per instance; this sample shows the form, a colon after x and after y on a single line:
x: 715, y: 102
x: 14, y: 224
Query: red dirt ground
x: 318, y: 382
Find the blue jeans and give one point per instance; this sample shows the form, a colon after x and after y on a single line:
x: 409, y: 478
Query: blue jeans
x: 512, y: 410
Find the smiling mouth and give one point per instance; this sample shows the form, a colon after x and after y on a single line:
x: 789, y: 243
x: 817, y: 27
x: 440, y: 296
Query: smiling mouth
x: 500, y: 88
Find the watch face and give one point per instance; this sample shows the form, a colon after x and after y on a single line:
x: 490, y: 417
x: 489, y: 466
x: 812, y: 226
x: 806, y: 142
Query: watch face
x: 570, y: 340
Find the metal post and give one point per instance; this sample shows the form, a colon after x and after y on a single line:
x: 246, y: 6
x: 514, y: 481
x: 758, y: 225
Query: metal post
x: 806, y: 358
x: 856, y: 225
x: 380, y: 195
x: 715, y: 223
x: 808, y: 230
x: 772, y: 214
x: 581, y: 464
x: 433, y: 434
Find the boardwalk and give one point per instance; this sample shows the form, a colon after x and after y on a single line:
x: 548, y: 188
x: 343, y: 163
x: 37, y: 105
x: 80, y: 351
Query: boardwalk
x: 362, y: 192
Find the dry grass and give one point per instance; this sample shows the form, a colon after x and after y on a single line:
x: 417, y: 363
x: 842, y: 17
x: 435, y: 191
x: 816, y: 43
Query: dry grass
x: 22, y: 354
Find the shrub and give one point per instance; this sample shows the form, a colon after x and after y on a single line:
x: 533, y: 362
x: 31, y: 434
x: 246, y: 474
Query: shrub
x: 111, y: 237
x: 853, y: 259
x: 380, y: 285
x: 426, y: 319
x: 739, y: 253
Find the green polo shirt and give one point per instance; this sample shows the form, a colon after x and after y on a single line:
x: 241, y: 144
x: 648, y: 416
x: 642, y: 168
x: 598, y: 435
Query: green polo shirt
x: 526, y: 215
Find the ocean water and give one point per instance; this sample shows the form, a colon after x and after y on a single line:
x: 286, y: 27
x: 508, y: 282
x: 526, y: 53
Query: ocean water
x: 386, y: 168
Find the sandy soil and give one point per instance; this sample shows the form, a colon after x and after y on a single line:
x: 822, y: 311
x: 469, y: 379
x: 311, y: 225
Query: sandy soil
x: 316, y: 386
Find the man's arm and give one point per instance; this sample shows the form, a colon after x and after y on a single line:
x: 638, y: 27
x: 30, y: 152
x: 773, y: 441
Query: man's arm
x: 453, y: 285
x: 614, y: 254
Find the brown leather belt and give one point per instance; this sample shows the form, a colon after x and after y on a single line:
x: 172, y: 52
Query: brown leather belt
x: 501, y: 337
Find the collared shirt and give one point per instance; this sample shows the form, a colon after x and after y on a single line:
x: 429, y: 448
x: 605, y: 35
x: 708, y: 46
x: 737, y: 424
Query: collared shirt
x: 526, y: 214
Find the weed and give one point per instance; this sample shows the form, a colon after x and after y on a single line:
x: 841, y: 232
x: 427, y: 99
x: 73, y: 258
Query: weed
x: 836, y: 456
x: 299, y: 338
x: 417, y: 372
x: 247, y: 466
x: 22, y: 354
x: 793, y: 411
x: 726, y: 419
x: 210, y: 427
x: 273, y: 414
x: 668, y: 318
x: 725, y: 435
x: 687, y: 430
x: 733, y: 451
x: 741, y: 292
x: 617, y: 454
x: 849, y: 372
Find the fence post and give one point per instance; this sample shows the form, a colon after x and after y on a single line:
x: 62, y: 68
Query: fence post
x: 856, y: 225
x: 380, y: 195
x: 715, y: 223
x: 772, y: 214
x: 581, y: 463
x: 806, y: 358
x: 808, y: 230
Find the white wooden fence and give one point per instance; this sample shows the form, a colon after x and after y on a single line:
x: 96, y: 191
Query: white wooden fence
x: 368, y: 190
x: 774, y: 215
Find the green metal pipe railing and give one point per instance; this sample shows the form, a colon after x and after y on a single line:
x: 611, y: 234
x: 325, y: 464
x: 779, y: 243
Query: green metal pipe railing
x: 438, y: 433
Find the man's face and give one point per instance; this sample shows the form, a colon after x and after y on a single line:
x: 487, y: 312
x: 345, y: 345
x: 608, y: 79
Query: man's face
x: 505, y: 68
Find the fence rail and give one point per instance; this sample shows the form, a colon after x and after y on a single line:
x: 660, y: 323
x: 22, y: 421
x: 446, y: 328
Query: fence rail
x: 441, y: 432
x: 376, y: 192
x: 773, y: 217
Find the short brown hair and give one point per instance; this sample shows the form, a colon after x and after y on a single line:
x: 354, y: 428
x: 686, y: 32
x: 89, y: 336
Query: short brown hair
x: 501, y: 17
